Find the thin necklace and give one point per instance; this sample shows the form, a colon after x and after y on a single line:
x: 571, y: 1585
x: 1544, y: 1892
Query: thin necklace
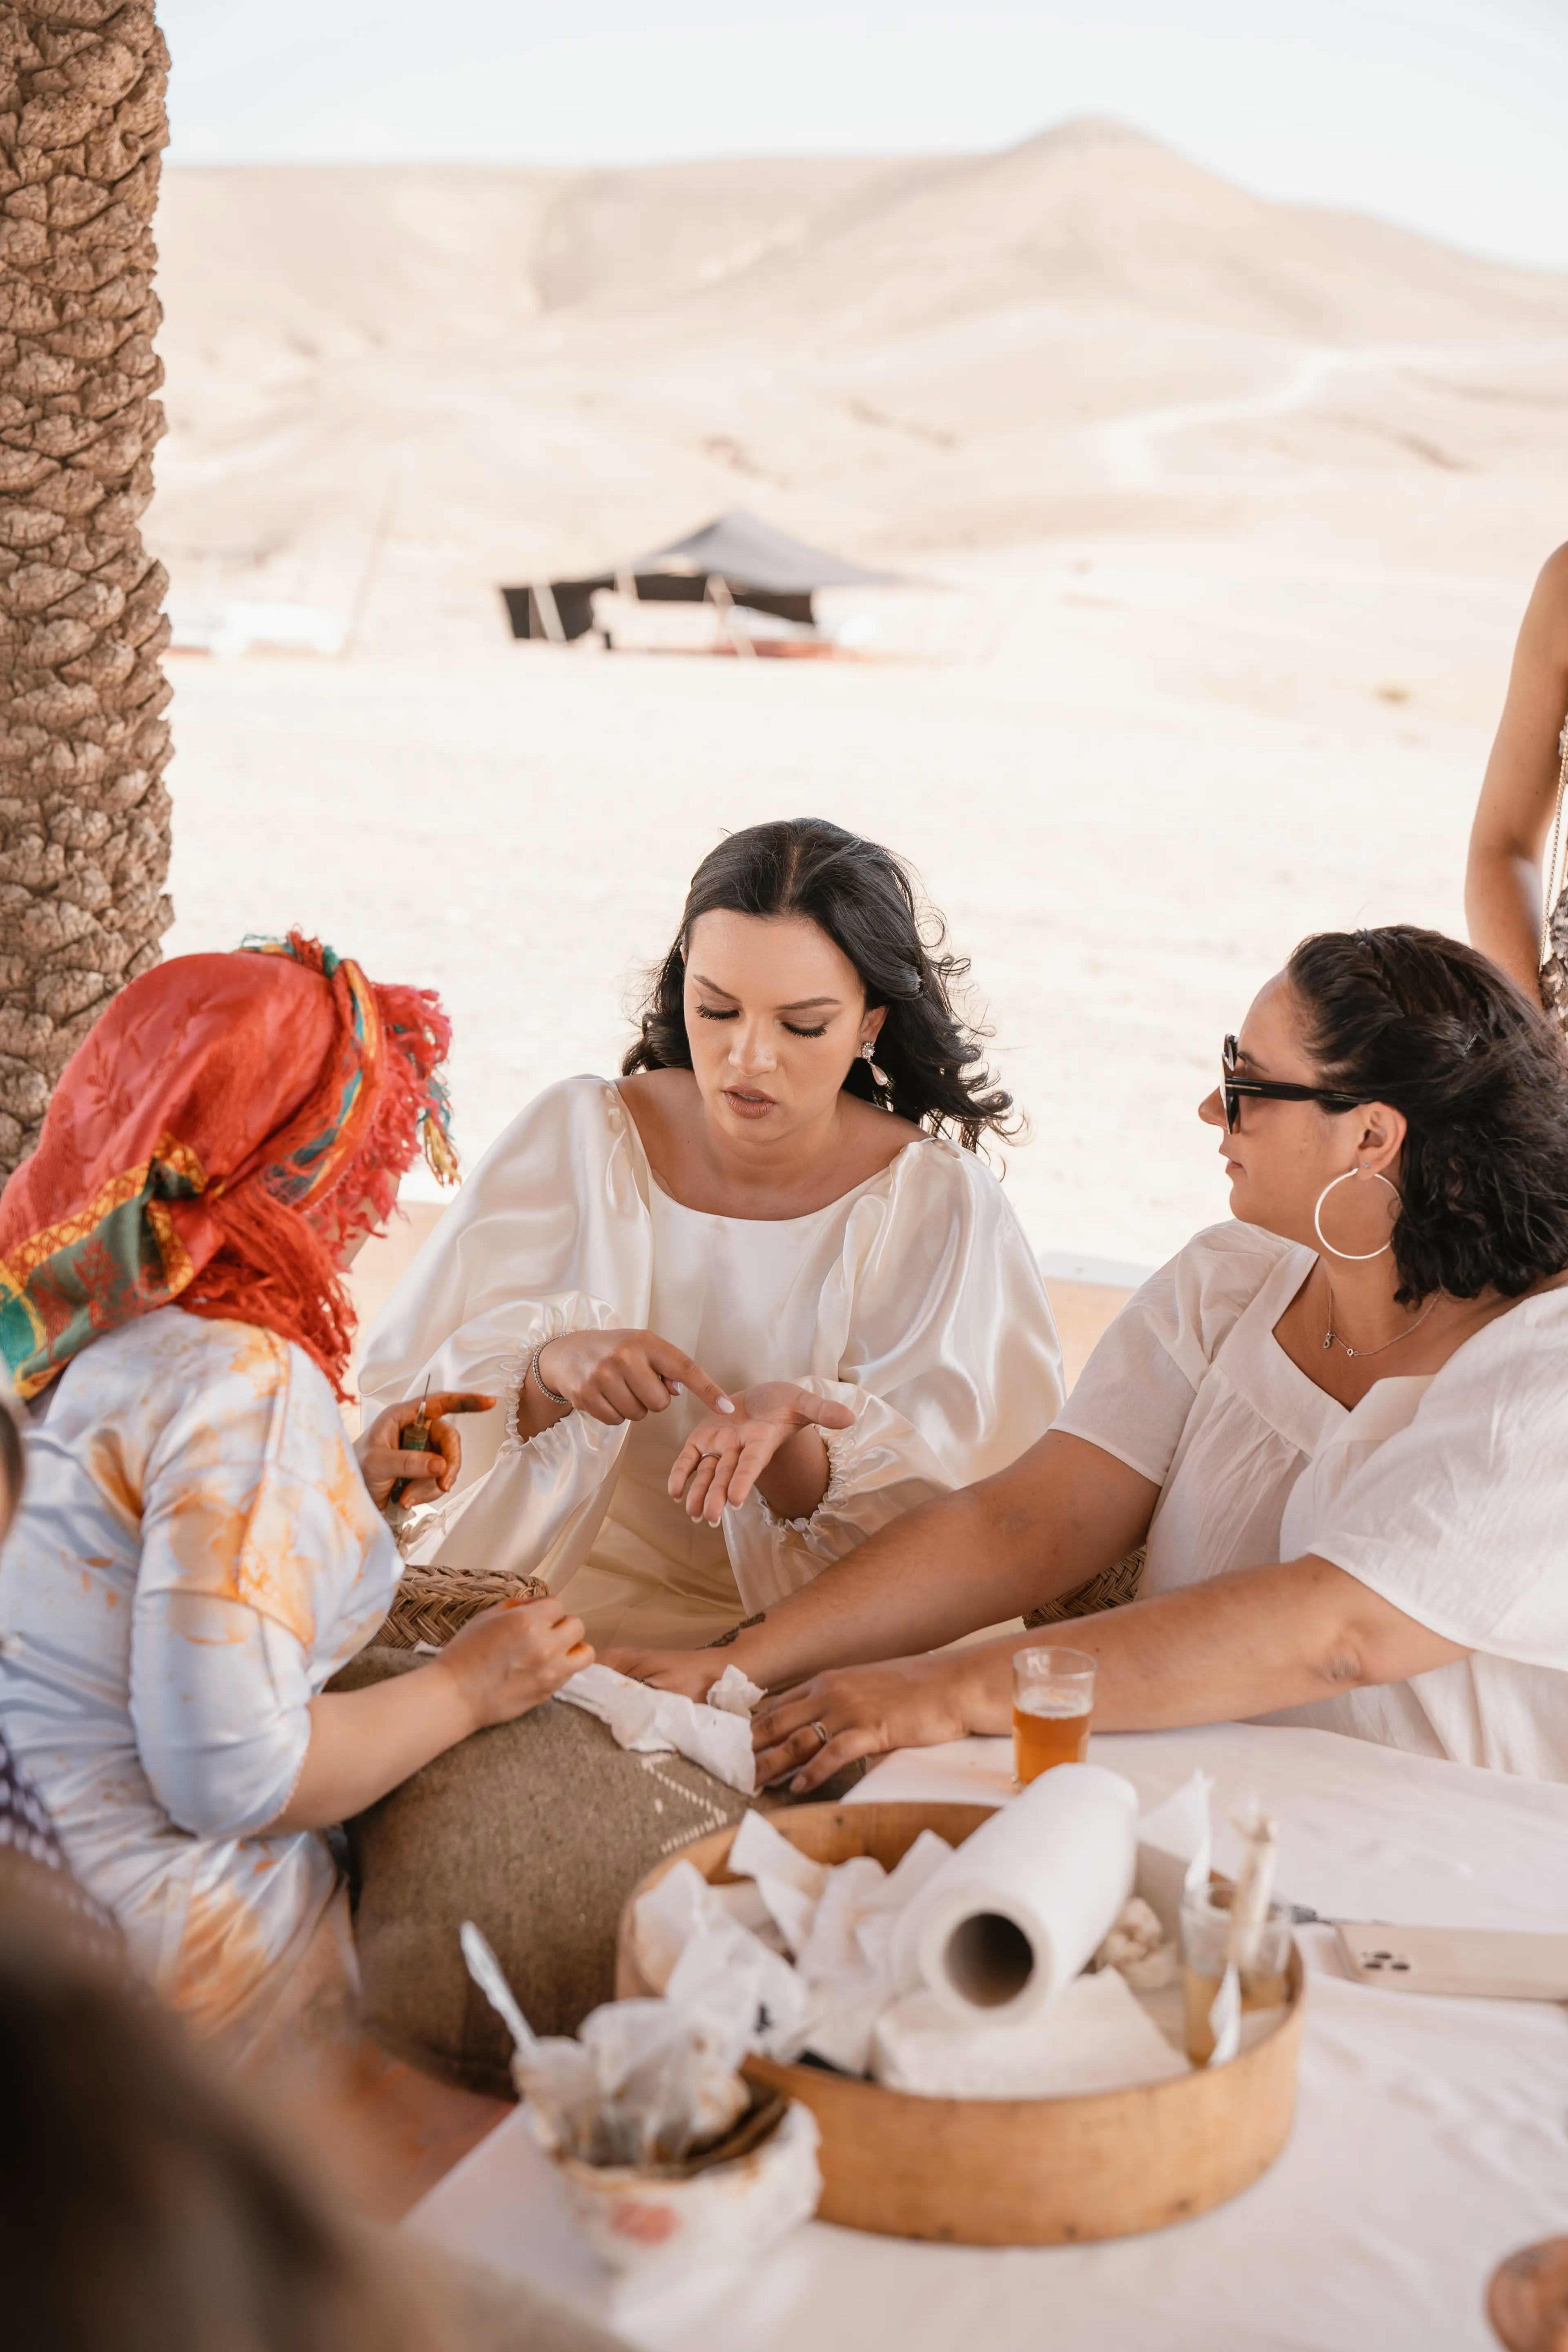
x: 1331, y: 1337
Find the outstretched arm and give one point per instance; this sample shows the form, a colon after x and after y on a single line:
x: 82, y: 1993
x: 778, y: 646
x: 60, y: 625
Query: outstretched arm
x: 1514, y: 820
x: 1237, y: 1645
x: 1060, y: 1513
x: 366, y: 1742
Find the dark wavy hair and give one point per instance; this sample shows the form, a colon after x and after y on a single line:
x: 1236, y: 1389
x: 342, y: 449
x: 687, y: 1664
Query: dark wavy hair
x: 1418, y: 1021
x: 861, y: 896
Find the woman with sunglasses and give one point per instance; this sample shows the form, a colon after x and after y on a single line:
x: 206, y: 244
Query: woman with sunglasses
x: 1340, y: 1423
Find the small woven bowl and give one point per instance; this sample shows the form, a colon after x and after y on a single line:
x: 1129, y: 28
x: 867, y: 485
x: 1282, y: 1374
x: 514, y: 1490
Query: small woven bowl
x: 435, y: 1602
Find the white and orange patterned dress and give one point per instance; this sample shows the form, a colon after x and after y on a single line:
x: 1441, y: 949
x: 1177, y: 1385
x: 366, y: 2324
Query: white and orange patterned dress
x: 196, y: 1554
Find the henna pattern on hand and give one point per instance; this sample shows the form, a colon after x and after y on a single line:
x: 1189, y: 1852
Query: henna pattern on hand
x: 735, y: 1631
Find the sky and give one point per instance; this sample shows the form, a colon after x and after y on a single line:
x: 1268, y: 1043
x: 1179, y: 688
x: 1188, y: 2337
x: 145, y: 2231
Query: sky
x: 1449, y: 116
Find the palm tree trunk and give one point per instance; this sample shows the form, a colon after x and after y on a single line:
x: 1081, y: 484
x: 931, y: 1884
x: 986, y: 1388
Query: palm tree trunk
x: 84, y: 814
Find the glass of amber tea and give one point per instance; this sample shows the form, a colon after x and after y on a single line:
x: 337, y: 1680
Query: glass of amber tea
x: 1053, y: 1700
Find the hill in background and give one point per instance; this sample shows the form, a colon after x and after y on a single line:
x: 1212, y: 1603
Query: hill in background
x: 497, y: 371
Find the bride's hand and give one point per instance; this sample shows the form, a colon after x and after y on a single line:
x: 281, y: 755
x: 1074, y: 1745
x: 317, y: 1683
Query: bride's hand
x: 382, y: 1461
x: 692, y: 1672
x: 615, y: 1376
x: 722, y: 1461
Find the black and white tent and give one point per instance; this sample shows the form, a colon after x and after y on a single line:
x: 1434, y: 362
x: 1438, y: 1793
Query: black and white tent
x: 736, y: 559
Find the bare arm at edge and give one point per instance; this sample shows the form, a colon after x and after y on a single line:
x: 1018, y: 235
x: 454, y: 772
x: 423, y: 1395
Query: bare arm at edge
x: 1513, y: 818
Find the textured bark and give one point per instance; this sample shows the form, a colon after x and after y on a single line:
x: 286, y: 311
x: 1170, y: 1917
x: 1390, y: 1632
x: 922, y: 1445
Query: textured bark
x: 84, y: 814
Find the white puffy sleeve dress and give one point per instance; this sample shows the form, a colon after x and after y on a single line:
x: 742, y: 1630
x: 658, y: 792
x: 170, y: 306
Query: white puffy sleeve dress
x: 914, y: 1300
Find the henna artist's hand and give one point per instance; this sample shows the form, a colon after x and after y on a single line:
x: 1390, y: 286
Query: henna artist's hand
x: 511, y: 1657
x: 383, y: 1461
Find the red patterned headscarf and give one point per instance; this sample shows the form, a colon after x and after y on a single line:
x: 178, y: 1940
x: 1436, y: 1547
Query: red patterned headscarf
x: 227, y: 1131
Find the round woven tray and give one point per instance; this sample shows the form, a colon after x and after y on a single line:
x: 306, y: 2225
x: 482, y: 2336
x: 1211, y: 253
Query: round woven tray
x: 1007, y: 2172
x: 435, y: 1602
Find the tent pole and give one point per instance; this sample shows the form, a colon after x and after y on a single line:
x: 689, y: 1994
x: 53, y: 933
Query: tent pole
x: 544, y: 605
x: 718, y: 588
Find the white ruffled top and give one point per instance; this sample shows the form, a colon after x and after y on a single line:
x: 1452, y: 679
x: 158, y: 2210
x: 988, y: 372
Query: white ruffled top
x: 914, y: 1299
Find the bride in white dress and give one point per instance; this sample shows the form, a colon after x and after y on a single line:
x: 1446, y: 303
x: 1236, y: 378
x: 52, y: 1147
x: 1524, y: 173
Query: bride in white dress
x: 754, y: 1299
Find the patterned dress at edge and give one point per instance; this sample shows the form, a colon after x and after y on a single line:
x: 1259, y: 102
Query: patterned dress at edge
x: 196, y: 1554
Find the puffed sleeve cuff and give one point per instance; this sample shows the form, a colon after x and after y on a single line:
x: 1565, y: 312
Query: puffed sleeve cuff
x: 842, y: 1454
x: 573, y: 1313
x: 877, y: 1468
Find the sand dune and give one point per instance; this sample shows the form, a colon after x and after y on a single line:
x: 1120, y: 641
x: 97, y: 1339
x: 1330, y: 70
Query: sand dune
x: 1222, y: 514
x: 588, y: 359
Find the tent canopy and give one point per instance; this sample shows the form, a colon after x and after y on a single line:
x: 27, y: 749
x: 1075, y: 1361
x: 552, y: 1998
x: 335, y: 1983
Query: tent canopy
x: 754, y: 564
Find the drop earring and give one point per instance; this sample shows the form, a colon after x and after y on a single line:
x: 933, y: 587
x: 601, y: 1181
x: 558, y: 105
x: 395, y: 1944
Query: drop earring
x: 880, y: 1078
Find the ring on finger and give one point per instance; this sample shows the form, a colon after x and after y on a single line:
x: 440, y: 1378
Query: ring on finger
x: 822, y: 1735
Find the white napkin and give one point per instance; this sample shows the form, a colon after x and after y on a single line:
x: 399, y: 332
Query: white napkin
x: 734, y: 1692
x: 1174, y: 1848
x: 788, y: 1882
x: 654, y: 1722
x: 692, y: 1949
x: 1095, y: 2036
x: 846, y: 1961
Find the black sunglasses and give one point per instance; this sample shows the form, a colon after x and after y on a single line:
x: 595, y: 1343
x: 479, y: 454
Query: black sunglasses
x: 1232, y: 1089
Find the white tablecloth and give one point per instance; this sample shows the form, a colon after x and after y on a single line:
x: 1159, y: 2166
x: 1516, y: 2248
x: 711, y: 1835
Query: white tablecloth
x: 1431, y: 2137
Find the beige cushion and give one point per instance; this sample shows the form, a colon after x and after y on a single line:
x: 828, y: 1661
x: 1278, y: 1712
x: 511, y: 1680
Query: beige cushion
x: 537, y: 1831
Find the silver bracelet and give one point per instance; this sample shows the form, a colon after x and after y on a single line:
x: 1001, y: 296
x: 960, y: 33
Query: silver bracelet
x: 539, y: 1380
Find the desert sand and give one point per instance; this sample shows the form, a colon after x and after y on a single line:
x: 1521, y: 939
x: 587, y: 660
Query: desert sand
x: 1218, y: 518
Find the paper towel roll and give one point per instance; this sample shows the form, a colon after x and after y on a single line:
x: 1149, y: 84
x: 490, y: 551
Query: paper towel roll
x: 1016, y: 1912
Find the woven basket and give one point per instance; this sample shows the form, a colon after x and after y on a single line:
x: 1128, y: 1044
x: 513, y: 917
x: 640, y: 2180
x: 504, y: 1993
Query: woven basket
x: 435, y: 1602
x: 1109, y: 1590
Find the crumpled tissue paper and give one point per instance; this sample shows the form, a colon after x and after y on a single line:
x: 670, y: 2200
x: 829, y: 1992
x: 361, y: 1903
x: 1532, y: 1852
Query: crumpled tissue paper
x: 1175, y: 1848
x: 837, y: 1925
x: 643, y: 2082
x: 651, y: 1722
x: 1138, y: 1949
x: 636, y: 2113
x: 692, y: 1947
x: 853, y: 2000
x: 734, y: 1692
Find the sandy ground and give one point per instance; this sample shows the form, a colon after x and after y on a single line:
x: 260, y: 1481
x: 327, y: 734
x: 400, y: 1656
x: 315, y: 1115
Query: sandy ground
x: 1175, y: 761
x: 1221, y: 518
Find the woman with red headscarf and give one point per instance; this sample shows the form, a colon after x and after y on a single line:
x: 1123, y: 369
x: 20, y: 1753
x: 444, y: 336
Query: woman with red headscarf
x: 199, y: 1551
